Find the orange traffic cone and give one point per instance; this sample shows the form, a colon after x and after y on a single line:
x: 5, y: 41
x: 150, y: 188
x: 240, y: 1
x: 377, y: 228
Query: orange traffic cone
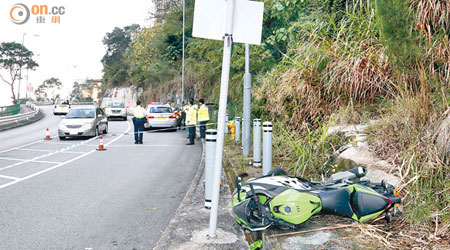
x: 47, y: 135
x: 100, y: 145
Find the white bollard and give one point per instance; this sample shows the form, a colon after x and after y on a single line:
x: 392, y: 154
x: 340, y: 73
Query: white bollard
x: 226, y: 121
x: 267, y: 147
x: 210, y: 156
x: 257, y: 143
x: 237, y: 124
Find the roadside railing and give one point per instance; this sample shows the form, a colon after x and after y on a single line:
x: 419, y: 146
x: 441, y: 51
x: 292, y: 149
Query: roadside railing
x: 9, y: 110
x: 20, y: 117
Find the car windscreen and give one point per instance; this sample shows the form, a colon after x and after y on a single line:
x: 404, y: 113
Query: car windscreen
x: 116, y: 105
x: 160, y: 110
x: 62, y: 101
x: 81, y: 113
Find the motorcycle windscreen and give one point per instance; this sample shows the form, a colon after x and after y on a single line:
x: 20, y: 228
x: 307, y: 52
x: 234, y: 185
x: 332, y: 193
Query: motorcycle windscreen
x: 243, y: 214
x: 295, y: 207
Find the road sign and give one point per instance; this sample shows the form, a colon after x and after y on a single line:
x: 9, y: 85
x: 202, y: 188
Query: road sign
x: 210, y: 18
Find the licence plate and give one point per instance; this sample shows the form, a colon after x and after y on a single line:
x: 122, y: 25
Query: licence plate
x: 161, y: 118
x: 62, y: 107
x: 73, y: 133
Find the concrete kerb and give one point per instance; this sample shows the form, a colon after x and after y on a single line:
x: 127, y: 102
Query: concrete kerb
x: 189, y: 227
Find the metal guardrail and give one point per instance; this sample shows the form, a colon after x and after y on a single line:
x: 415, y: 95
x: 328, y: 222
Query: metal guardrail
x: 21, y: 117
x: 73, y: 103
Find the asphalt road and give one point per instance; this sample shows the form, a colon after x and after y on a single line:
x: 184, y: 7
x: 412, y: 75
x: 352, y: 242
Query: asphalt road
x: 80, y: 198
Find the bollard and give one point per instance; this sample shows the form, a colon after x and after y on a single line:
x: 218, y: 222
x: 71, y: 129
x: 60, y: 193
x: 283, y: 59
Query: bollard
x: 267, y: 147
x: 257, y: 143
x: 238, y: 128
x: 210, y: 156
x: 226, y: 121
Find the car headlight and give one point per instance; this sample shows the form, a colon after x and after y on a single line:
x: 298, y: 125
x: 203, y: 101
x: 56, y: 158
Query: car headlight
x: 88, y: 125
x: 62, y: 126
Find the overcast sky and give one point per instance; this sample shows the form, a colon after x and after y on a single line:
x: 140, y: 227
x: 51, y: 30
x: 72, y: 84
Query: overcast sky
x: 71, y: 50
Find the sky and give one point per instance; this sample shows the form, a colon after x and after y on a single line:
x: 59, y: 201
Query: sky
x: 72, y: 49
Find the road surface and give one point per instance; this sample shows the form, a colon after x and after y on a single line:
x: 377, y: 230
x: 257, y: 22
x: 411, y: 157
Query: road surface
x: 80, y: 198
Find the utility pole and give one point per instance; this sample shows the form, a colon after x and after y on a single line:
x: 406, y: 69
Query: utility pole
x: 246, y: 128
x: 182, y: 60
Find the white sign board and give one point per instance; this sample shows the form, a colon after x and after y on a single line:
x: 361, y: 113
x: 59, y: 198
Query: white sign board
x: 210, y: 15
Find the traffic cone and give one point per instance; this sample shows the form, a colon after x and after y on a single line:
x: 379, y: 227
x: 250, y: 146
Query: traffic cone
x: 100, y: 145
x: 47, y: 135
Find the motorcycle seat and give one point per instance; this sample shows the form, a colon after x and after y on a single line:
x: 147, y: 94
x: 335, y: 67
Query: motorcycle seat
x: 364, y: 203
x: 336, y: 202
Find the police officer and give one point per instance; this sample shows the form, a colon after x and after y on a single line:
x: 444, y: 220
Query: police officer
x: 138, y: 122
x: 191, y: 121
x: 203, y: 117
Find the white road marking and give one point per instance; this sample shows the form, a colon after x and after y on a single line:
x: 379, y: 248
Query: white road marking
x: 62, y: 163
x: 21, y: 146
x: 33, y: 149
x: 27, y: 160
x: 10, y: 177
x: 48, y: 150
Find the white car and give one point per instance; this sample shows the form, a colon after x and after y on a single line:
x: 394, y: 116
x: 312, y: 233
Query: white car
x: 160, y: 116
x: 61, y: 107
x: 116, y: 110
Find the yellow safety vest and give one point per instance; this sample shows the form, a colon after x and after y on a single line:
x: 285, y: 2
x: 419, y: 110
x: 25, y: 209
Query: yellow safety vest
x: 139, y: 112
x: 203, y: 114
x: 191, y: 115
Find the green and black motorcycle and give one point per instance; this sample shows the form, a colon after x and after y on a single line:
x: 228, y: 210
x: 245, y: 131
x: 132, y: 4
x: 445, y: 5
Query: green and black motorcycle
x: 277, y: 199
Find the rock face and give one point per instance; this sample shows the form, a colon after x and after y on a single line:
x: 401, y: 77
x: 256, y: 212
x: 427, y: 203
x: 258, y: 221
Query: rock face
x: 442, y: 136
x: 358, y: 154
x: 120, y: 94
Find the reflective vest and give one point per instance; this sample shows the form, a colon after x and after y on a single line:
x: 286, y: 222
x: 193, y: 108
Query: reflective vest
x: 139, y: 112
x: 191, y: 115
x: 203, y: 114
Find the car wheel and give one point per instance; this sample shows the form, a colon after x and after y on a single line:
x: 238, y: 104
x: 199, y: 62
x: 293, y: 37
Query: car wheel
x: 106, y: 129
x: 125, y: 118
x: 97, y: 132
x: 62, y: 138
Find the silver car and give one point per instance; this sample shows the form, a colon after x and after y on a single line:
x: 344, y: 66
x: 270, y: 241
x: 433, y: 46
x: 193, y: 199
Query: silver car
x: 160, y: 116
x: 83, y: 121
x: 116, y: 110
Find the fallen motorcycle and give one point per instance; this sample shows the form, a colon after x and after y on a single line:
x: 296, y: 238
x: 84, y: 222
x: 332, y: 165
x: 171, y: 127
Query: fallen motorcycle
x: 277, y: 199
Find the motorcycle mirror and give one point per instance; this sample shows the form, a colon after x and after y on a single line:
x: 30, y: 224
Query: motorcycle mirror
x: 238, y: 186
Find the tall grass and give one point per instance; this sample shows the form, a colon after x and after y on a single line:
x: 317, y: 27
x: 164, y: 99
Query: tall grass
x: 306, y: 154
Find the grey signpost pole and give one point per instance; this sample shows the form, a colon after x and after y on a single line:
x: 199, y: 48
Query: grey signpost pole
x: 246, y: 124
x: 227, y: 44
x: 182, y: 60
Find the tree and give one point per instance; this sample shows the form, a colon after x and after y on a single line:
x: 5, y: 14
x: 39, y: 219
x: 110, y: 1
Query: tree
x: 76, y: 94
x: 13, y: 57
x: 115, y: 65
x: 48, y: 90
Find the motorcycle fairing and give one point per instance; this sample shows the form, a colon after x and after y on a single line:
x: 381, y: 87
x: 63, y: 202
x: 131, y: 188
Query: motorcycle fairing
x: 295, y: 207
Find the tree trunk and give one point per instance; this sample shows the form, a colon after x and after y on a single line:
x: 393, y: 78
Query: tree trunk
x: 13, y: 94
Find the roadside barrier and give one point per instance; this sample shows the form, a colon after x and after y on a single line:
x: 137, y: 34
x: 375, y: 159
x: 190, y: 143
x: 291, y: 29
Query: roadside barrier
x: 257, y: 143
x: 20, y: 117
x: 267, y: 147
x: 210, y: 156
